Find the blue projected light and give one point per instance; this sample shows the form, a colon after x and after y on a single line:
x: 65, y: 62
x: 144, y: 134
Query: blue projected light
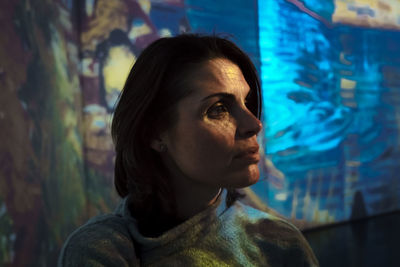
x: 331, y: 112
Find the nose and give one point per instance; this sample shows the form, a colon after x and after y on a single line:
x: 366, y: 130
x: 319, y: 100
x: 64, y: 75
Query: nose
x: 248, y: 124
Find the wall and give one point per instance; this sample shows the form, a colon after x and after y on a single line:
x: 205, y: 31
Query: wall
x: 42, y: 173
x: 329, y: 72
x: 63, y: 63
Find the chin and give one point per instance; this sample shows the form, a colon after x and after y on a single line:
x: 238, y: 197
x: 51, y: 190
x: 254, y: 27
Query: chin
x: 252, y: 181
x: 248, y: 178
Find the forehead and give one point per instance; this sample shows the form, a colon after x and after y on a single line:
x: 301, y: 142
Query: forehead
x: 219, y: 75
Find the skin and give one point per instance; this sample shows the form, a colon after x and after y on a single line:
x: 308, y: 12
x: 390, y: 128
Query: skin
x: 213, y: 143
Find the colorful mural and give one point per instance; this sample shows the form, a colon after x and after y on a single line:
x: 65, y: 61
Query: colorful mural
x: 63, y: 64
x: 41, y: 157
x: 331, y: 107
x: 366, y: 13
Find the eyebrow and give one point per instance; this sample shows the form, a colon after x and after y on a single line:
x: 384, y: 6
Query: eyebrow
x: 222, y: 95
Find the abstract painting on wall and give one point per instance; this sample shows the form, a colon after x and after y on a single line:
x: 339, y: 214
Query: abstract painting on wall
x: 332, y: 108
x: 330, y: 73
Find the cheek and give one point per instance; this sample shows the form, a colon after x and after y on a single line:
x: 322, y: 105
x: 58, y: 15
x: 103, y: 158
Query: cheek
x: 214, y: 142
x: 205, y: 146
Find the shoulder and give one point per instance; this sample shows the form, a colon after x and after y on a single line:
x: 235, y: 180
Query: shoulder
x: 276, y: 234
x: 102, y: 241
x: 268, y: 225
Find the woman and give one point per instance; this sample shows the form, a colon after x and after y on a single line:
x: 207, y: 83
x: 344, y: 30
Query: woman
x: 185, y: 131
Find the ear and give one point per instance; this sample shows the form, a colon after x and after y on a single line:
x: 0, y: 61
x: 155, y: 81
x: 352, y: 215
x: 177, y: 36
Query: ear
x: 156, y: 144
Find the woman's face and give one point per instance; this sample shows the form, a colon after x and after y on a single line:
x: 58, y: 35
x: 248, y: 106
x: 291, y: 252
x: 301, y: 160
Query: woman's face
x: 213, y: 141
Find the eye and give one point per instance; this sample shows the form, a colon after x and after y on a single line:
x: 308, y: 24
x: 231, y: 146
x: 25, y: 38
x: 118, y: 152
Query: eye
x: 247, y: 100
x: 217, y: 110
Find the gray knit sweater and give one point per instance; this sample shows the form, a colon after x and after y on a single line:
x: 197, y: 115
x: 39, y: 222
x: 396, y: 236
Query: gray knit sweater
x: 218, y: 236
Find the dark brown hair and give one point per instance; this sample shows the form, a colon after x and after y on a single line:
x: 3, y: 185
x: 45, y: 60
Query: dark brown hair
x: 147, y: 106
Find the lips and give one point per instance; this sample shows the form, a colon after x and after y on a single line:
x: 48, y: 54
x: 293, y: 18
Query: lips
x: 249, y: 154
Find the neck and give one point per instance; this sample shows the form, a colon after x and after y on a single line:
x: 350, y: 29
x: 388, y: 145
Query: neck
x: 192, y: 198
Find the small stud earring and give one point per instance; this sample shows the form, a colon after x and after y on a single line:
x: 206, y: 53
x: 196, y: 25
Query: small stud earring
x: 163, y: 148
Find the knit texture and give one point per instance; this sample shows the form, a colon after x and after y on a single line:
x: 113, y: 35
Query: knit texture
x: 218, y: 236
